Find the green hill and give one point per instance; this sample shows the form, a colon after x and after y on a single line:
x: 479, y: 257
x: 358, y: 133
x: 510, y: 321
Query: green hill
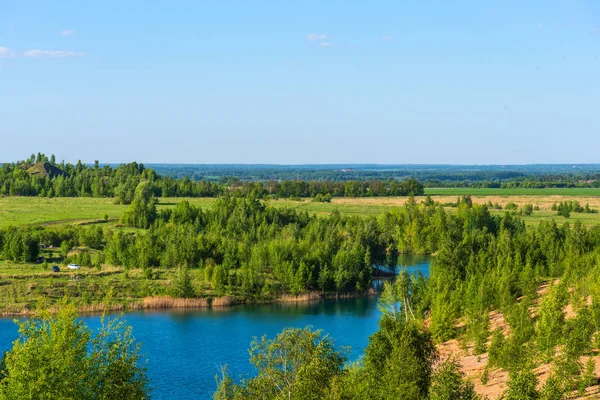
x: 43, y: 169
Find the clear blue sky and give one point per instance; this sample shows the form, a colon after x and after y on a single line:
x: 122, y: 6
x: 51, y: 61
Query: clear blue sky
x: 462, y: 82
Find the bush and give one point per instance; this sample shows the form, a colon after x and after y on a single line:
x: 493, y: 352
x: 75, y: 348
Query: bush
x: 449, y: 383
x: 522, y: 385
x: 526, y: 210
x: 322, y: 198
x: 496, y: 350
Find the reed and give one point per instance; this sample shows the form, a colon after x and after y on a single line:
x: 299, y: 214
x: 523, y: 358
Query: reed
x: 304, y: 297
x: 157, y: 302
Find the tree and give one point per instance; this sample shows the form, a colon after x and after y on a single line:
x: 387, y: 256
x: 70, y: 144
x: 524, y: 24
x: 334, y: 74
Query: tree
x: 57, y: 357
x: 526, y: 210
x: 297, y: 364
x: 497, y: 350
x: 552, y: 390
x: 522, y: 385
x: 449, y: 383
x: 3, y: 373
x: 551, y: 319
x: 395, y: 299
x: 443, y: 316
x: 398, y: 361
x: 142, y: 211
x: 65, y: 247
x: 183, y: 284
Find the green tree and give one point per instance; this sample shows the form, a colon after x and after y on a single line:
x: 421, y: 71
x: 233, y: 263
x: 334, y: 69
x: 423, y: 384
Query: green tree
x: 551, y: 319
x: 183, y: 283
x: 3, y: 373
x: 57, y: 357
x: 142, y: 211
x: 522, y: 385
x: 449, y: 383
x: 297, y: 364
x: 65, y: 247
x: 396, y: 298
x: 443, y: 316
x: 552, y: 390
x: 398, y: 361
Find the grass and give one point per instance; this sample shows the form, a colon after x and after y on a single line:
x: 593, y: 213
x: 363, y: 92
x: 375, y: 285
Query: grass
x: 349, y: 208
x: 585, y: 219
x: 570, y: 192
x: 22, y: 285
x: 38, y: 210
x: 43, y: 211
x: 19, y: 211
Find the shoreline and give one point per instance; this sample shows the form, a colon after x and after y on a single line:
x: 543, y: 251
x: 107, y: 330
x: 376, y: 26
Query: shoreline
x: 173, y: 303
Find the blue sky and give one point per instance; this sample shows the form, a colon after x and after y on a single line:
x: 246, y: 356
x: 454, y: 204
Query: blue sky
x: 461, y: 82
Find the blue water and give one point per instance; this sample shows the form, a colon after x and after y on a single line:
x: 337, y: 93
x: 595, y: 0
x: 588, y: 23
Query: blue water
x: 186, y: 349
x: 414, y: 264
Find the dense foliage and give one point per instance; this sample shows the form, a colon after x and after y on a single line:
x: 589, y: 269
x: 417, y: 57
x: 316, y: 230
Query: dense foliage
x: 45, y: 177
x: 40, y: 176
x: 58, y: 357
x: 482, y: 262
x: 298, y: 364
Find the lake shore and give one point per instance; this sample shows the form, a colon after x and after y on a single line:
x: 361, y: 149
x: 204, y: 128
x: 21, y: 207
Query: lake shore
x: 168, y: 302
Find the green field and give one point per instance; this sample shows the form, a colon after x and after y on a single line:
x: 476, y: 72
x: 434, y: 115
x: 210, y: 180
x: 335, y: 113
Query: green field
x: 358, y: 209
x: 23, y: 284
x: 538, y: 216
x: 17, y: 211
x: 39, y: 210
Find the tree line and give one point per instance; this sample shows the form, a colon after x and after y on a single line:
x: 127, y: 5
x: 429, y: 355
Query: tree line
x: 44, y: 177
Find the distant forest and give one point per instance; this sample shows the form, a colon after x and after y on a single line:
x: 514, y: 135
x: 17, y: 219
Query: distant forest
x: 43, y: 176
x: 475, y: 176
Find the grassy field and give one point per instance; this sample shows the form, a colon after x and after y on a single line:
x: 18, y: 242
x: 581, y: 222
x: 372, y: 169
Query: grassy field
x: 18, y: 211
x: 23, y: 284
x: 582, y: 192
x: 42, y: 211
x: 39, y: 210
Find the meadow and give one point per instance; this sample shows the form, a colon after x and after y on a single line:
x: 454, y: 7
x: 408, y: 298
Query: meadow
x: 570, y: 192
x: 18, y: 211
x: 22, y: 285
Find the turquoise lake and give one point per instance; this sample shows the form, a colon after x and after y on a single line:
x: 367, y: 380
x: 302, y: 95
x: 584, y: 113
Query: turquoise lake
x: 186, y: 349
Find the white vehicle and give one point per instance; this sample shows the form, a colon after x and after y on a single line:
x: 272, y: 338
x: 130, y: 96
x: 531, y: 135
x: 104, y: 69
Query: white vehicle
x: 73, y: 266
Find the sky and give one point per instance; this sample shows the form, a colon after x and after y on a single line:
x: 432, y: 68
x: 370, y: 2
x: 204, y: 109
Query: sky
x: 301, y: 82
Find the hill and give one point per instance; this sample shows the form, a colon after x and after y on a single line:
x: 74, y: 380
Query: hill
x: 43, y: 169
